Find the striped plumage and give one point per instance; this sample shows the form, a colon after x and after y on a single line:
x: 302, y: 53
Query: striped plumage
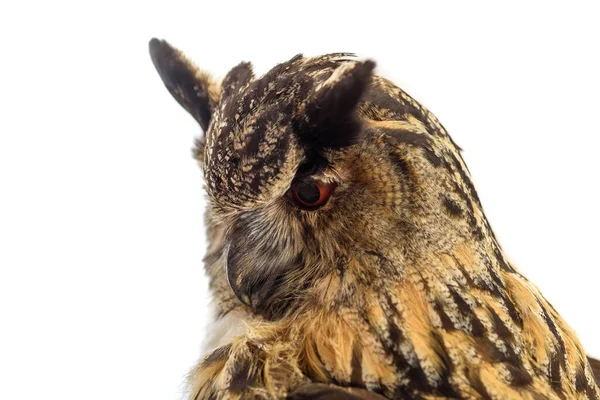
x: 395, y: 288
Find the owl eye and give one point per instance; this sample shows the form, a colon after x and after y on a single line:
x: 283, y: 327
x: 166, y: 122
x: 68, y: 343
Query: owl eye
x: 311, y: 194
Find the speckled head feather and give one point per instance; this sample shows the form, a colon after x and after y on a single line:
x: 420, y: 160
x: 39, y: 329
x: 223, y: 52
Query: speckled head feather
x: 394, y: 287
x: 264, y: 129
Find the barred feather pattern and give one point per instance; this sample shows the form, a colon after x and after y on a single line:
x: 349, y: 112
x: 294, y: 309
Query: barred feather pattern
x: 396, y: 288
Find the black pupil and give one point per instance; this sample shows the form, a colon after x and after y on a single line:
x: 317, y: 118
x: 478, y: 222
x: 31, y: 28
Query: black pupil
x: 308, y: 192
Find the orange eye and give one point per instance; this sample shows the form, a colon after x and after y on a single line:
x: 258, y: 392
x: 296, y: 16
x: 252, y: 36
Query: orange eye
x: 312, y: 194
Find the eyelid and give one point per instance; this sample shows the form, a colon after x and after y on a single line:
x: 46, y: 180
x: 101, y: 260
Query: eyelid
x: 312, y: 166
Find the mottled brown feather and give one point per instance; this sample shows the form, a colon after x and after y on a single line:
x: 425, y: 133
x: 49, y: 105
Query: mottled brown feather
x: 396, y: 287
x: 320, y: 391
x: 595, y: 365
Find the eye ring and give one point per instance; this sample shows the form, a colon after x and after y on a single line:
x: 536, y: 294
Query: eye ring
x: 311, y: 194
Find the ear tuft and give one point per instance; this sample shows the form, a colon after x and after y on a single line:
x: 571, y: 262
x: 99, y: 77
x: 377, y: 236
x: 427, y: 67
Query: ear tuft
x: 193, y: 89
x: 330, y: 109
x: 238, y: 77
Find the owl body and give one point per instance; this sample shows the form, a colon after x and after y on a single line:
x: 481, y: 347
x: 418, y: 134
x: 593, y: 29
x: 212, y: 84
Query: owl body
x: 393, y: 286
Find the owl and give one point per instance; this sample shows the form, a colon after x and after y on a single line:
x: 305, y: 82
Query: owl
x: 348, y: 255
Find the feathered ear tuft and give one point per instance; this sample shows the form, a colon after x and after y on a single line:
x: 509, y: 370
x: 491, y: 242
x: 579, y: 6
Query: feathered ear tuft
x: 329, y: 112
x: 238, y: 77
x: 193, y: 89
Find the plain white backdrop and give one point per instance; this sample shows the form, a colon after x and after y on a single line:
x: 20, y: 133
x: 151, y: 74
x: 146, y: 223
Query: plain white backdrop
x: 102, y: 292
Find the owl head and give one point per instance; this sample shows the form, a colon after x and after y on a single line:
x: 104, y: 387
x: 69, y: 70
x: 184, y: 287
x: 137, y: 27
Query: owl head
x: 319, y: 168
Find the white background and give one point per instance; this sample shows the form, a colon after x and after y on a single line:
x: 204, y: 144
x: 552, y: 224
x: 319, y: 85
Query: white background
x: 102, y: 293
